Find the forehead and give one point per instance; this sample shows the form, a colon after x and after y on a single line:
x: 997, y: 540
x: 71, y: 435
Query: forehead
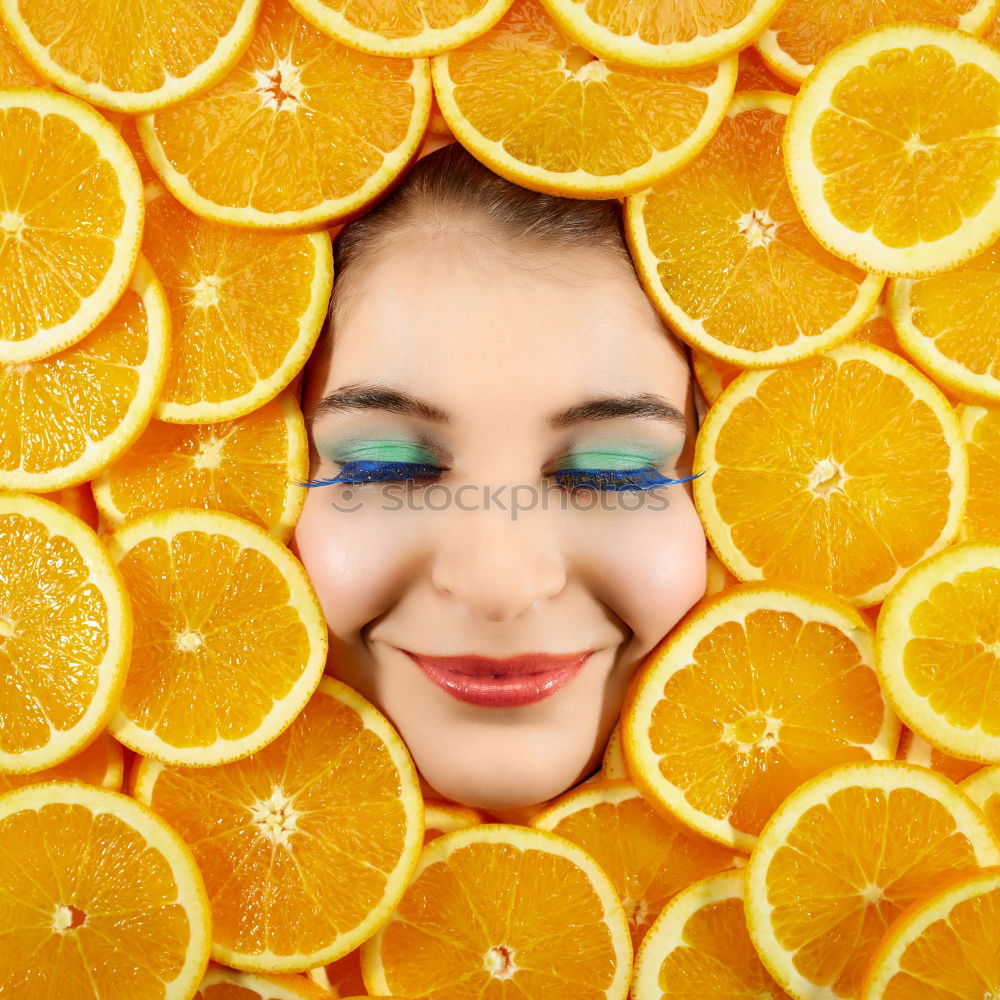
x: 465, y: 321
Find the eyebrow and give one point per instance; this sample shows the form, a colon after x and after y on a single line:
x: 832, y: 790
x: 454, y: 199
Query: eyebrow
x: 372, y: 396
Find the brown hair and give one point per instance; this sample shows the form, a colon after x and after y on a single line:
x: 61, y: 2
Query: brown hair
x: 451, y: 178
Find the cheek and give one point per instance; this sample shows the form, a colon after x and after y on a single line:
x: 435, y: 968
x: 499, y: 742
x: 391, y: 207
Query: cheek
x: 352, y: 557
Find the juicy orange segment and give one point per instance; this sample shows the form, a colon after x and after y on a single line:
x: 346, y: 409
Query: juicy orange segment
x: 342, y: 977
x: 938, y: 650
x: 230, y: 640
x: 760, y: 688
x: 649, y: 858
x: 280, y: 141
x: 247, y: 307
x: 916, y: 750
x: 655, y: 34
x: 70, y: 225
x: 948, y: 324
x: 102, y: 898
x: 15, y: 70
x: 64, y: 418
x: 511, y: 903
x: 99, y: 763
x: 698, y: 946
x: 246, y: 466
x: 65, y: 634
x: 221, y: 983
x: 326, y: 820
x: 421, y: 28
x: 755, y: 74
x: 78, y: 500
x: 945, y: 944
x: 983, y: 788
x: 893, y: 149
x: 838, y: 471
x: 131, y: 57
x: 726, y: 258
x: 830, y: 872
x: 443, y: 817
x: 804, y: 31
x: 981, y: 430
x: 543, y: 112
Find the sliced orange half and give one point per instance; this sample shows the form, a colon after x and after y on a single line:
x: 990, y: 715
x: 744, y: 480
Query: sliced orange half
x: 648, y: 858
x: 651, y: 33
x: 66, y: 417
x: 948, y: 323
x: 248, y: 466
x: 385, y: 28
x: 938, y: 650
x: 230, y: 640
x: 983, y: 788
x: 831, y: 872
x: 303, y: 130
x: 981, y: 430
x: 917, y: 750
x: 71, y: 221
x: 545, y: 113
x: 944, y: 945
x: 99, y: 763
x: 722, y: 251
x: 503, y: 907
x: 131, y: 57
x: 759, y: 689
x: 101, y: 898
x: 892, y: 149
x: 804, y: 31
x: 306, y: 846
x: 65, y: 634
x: 839, y: 471
x: 698, y: 946
x: 247, y: 308
x: 221, y: 983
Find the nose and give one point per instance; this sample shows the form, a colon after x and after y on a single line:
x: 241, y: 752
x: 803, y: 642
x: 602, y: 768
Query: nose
x: 496, y: 565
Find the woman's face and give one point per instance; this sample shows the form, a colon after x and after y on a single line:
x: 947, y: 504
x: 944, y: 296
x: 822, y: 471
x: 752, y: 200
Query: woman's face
x: 481, y: 351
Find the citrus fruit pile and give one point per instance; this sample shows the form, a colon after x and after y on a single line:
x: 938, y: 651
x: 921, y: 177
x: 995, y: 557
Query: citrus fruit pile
x: 802, y: 795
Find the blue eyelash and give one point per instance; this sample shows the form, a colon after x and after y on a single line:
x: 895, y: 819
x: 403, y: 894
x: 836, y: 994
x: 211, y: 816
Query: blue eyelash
x: 633, y: 480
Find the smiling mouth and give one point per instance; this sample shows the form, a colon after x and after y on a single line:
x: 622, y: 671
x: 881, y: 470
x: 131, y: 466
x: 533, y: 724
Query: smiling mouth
x: 518, y: 666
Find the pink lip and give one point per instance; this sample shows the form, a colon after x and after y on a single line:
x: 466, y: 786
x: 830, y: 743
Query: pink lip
x: 522, y: 680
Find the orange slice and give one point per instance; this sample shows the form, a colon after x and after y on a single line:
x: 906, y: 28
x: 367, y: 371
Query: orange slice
x: 757, y: 690
x: 839, y: 471
x: 230, y: 640
x: 247, y: 307
x: 891, y: 153
x: 101, y: 898
x: 498, y: 907
x: 71, y: 224
x: 916, y: 750
x: 948, y: 324
x: 78, y: 500
x: 831, y: 871
x: 288, y: 137
x: 981, y: 430
x: 648, y: 858
x: 64, y: 418
x: 131, y: 57
x: 983, y: 788
x: 99, y: 763
x: 221, y: 983
x: 717, y: 577
x: 712, y: 374
x: 938, y: 650
x: 755, y: 74
x: 248, y: 466
x: 422, y: 28
x: 65, y: 634
x: 723, y: 253
x: 658, y: 35
x: 129, y: 131
x: 325, y: 821
x: 698, y: 946
x: 545, y: 113
x: 443, y: 817
x: 613, y: 764
x: 15, y: 70
x: 944, y: 945
x: 342, y: 977
x: 804, y: 31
